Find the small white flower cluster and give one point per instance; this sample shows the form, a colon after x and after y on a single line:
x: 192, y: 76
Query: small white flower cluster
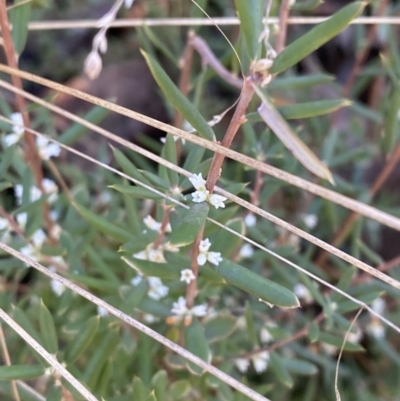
x: 180, y: 309
x: 155, y: 225
x: 259, y: 360
x: 157, y: 289
x: 202, y: 194
x: 151, y: 254
x: 204, y: 255
x: 35, y: 193
x: 93, y: 63
x: 302, y: 292
x: 6, y: 228
x: 46, y: 148
x: 187, y: 276
x: 310, y: 220
x: 246, y: 251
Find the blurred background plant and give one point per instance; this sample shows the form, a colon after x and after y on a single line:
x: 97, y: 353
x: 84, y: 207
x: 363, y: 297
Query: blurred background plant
x: 148, y: 249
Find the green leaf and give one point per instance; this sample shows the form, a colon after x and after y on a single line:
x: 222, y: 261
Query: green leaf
x: 299, y: 82
x: 392, y: 124
x: 228, y: 243
x: 133, y: 296
x: 21, y: 372
x: 139, y: 390
x: 160, y: 383
x: 187, y: 225
x: 82, y: 340
x: 250, y: 325
x: 300, y: 367
x: 306, y: 5
x: 283, y: 131
x: 313, y: 332
x: 219, y: 328
x: 48, y: 329
x: 316, y: 37
x: 254, y: 284
x: 338, y: 342
x: 21, y: 318
x: 139, y: 242
x: 166, y: 271
x: 180, y: 389
x: 102, y: 224
x: 313, y: 109
x: 55, y: 393
x: 128, y: 167
x: 280, y: 370
x: 136, y: 191
x: 178, y: 100
x: 19, y: 18
x: 169, y: 153
x: 251, y: 15
x: 95, y: 283
x: 196, y: 343
x: 76, y: 131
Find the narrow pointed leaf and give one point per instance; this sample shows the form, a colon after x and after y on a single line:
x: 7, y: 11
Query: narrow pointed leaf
x: 392, y: 123
x: 188, y: 224
x: 21, y: 372
x: 282, y: 130
x: 196, y: 343
x: 19, y: 18
x: 256, y: 285
x: 180, y: 389
x: 102, y: 224
x: 84, y: 337
x: 316, y: 37
x: 219, y: 328
x: 48, y: 329
x: 280, y: 371
x: 178, y: 100
x: 167, y: 271
x: 136, y: 192
x: 299, y: 82
x: 251, y: 15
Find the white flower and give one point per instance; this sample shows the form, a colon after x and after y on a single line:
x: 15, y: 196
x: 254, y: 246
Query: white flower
x: 250, y: 220
x: 246, y: 251
x: 302, y: 292
x: 38, y: 238
x: 242, y: 364
x: 265, y: 336
x: 204, y: 255
x: 260, y: 361
x: 22, y: 219
x: 378, y: 305
x: 180, y: 309
x: 46, y: 148
x: 56, y: 231
x: 376, y: 329
x: 57, y: 287
x: 128, y: 3
x: 151, y: 223
x: 199, y: 196
x: 102, y: 311
x: 310, y: 220
x: 154, y: 255
x: 141, y: 255
x: 204, y: 245
x: 148, y: 318
x: 214, y: 258
x: 354, y: 337
x: 187, y: 276
x: 18, y: 130
x: 3, y: 223
x: 170, y: 248
x: 217, y: 201
x: 157, y: 290
x: 201, y: 259
x: 51, y: 188
x: 34, y: 193
x: 198, y: 182
x: 199, y: 310
x: 137, y: 280
x: 31, y: 252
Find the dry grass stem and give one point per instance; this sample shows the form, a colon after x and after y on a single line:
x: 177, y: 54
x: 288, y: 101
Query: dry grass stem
x: 366, y: 210
x: 183, y: 172
x: 125, y: 318
x: 41, y: 351
x: 221, y: 21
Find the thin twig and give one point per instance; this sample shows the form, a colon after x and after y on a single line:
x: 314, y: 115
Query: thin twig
x: 283, y: 23
x: 7, y: 360
x: 366, y: 210
x: 221, y: 21
x: 30, y: 151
